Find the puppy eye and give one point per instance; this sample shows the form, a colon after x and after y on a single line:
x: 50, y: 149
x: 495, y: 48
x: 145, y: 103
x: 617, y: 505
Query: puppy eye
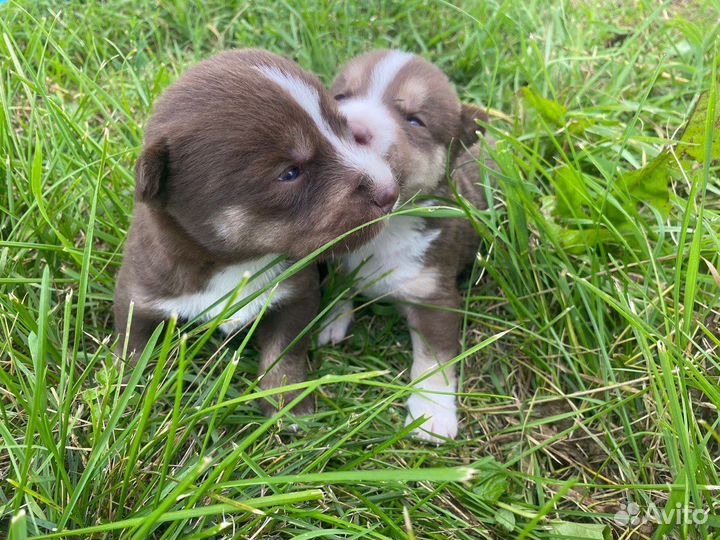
x: 290, y: 174
x: 340, y: 97
x: 415, y: 121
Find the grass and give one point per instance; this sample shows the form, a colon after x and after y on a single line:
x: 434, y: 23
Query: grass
x: 591, y: 377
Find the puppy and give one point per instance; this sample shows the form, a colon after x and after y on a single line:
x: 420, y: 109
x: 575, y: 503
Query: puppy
x: 246, y: 161
x: 405, y: 109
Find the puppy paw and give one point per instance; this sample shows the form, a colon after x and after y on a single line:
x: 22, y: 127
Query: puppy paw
x: 336, y: 330
x: 441, y: 414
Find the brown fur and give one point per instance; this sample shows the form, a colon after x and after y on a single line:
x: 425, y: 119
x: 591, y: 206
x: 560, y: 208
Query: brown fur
x: 208, y: 196
x: 418, y: 156
x: 447, y: 121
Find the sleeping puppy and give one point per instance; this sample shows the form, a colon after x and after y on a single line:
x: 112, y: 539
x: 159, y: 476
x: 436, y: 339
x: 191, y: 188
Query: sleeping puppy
x: 246, y: 161
x: 405, y: 109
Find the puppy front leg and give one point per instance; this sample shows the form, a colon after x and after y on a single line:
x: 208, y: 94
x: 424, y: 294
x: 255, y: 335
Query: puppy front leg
x: 434, y: 333
x: 277, y: 330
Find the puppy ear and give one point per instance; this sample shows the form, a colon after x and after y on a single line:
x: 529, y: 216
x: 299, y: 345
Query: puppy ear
x: 151, y: 172
x: 470, y: 114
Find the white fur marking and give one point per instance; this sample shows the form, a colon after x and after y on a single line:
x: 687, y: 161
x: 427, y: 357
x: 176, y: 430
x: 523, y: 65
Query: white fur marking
x: 435, y: 397
x: 423, y: 284
x: 231, y: 220
x: 375, y: 116
x: 189, y: 306
x: 394, y: 259
x: 370, y: 110
x: 386, y: 70
x: 340, y: 318
x: 440, y: 411
x: 353, y: 155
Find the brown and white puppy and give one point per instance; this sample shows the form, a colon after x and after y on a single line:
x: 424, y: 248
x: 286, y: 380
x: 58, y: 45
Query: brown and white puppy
x: 246, y: 160
x: 405, y: 109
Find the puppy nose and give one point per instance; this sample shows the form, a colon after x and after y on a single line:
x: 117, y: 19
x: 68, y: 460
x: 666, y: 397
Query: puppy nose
x: 386, y: 197
x: 361, y: 132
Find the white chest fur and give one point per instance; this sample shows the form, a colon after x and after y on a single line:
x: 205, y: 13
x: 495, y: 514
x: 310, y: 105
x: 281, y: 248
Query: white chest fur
x: 394, y: 262
x: 209, y: 302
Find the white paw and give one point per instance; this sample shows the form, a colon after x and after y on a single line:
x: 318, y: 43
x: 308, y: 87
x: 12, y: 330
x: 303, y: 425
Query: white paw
x: 441, y: 413
x: 336, y: 330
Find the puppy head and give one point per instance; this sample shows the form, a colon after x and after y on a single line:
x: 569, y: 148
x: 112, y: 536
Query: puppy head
x: 247, y: 154
x: 404, y: 108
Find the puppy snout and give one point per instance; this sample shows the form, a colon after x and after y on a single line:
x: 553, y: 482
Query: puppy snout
x: 360, y: 132
x: 385, y: 197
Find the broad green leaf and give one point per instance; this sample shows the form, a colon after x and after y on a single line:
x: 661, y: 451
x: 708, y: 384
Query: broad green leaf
x: 567, y: 530
x: 573, y: 196
x: 505, y: 519
x: 573, y: 214
x: 550, y: 110
x: 650, y: 185
x: 692, y: 141
x: 492, y: 487
x: 577, y: 240
x: 570, y: 236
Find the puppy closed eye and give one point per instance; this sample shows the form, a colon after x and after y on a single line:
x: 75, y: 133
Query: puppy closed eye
x: 340, y: 97
x: 291, y: 174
